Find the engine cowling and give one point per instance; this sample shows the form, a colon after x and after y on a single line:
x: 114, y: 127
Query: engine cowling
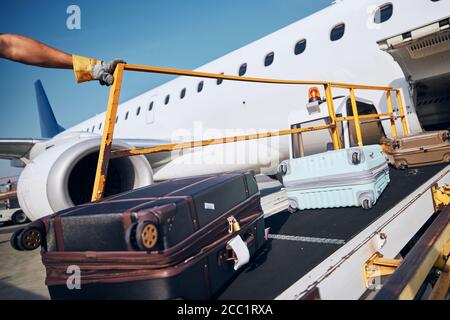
x: 62, y: 173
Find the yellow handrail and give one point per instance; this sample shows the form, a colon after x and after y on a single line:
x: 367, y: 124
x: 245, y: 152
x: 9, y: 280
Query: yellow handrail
x: 113, y: 101
x: 209, y: 75
x: 209, y: 142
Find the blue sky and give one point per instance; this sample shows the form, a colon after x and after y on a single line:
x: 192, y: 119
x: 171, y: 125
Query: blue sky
x: 170, y: 33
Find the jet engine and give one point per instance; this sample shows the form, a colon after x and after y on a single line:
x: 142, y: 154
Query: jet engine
x: 61, y: 174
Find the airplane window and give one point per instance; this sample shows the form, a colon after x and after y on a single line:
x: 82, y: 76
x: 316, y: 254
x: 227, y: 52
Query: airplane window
x: 150, y: 106
x: 337, y: 32
x: 117, y: 119
x: 219, y: 81
x: 384, y: 13
x: 242, y: 69
x: 126, y: 115
x: 300, y: 47
x: 269, y: 59
x: 200, y: 86
x: 183, y: 93
x: 93, y: 128
x: 138, y: 111
x: 100, y: 126
x: 166, y: 101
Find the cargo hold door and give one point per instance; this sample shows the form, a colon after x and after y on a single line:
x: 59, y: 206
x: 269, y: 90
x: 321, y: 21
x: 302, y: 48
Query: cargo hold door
x: 424, y: 54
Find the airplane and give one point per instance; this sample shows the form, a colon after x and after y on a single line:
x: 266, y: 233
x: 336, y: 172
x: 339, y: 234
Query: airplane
x: 405, y: 44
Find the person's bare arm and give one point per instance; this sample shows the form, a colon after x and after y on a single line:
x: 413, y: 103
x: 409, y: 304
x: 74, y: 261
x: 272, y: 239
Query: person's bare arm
x: 29, y: 51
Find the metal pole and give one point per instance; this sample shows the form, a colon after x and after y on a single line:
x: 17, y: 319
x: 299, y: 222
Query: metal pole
x: 356, y: 117
x: 209, y: 75
x: 332, y: 115
x: 210, y: 142
x: 107, y: 137
x: 402, y: 112
x: 391, y: 111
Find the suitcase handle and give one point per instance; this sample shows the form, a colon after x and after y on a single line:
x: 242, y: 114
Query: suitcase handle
x: 228, y: 255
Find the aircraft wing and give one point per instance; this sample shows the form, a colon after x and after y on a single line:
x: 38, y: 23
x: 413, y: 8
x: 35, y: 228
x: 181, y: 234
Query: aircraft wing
x: 16, y: 148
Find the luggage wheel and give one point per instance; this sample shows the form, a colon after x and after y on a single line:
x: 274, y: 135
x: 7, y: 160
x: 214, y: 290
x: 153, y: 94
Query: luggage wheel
x: 403, y: 165
x: 130, y: 236
x: 146, y: 235
x: 14, y: 239
x: 292, y: 205
x: 366, y: 204
x: 26, y: 239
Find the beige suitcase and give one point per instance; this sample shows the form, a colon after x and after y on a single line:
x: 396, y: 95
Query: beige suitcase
x: 418, y: 150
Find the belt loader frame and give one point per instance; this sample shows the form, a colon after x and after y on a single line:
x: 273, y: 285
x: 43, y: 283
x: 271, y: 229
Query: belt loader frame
x: 113, y: 101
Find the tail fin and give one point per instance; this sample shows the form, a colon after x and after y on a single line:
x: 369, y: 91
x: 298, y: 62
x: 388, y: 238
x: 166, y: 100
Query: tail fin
x: 49, y: 125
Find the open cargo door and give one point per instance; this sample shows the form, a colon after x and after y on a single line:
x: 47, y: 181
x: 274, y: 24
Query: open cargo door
x: 424, y: 54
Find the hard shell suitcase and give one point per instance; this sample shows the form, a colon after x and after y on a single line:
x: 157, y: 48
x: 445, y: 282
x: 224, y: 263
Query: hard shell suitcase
x: 340, y: 178
x: 175, y: 239
x: 418, y: 150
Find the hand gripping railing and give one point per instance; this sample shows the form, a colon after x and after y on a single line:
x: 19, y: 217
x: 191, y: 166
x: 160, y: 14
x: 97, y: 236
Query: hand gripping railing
x: 113, y: 102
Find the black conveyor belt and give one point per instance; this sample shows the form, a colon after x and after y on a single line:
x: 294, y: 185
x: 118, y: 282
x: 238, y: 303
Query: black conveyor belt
x: 283, y: 262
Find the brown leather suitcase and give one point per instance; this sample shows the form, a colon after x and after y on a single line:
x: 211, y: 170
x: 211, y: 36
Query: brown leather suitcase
x: 418, y: 150
x: 165, y: 241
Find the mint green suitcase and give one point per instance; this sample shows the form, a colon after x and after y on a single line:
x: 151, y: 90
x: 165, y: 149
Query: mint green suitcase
x: 333, y: 179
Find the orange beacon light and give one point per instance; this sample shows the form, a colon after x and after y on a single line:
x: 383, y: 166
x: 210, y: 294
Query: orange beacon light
x: 313, y: 94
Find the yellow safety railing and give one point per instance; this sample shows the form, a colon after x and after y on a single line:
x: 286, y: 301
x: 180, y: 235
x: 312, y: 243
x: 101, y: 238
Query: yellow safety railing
x: 113, y: 102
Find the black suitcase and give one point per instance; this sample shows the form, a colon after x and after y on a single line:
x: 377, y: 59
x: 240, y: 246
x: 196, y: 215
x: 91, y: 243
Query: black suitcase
x: 165, y: 241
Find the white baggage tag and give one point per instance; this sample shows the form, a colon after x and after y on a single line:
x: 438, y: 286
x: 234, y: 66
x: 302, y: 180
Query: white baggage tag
x: 241, y: 251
